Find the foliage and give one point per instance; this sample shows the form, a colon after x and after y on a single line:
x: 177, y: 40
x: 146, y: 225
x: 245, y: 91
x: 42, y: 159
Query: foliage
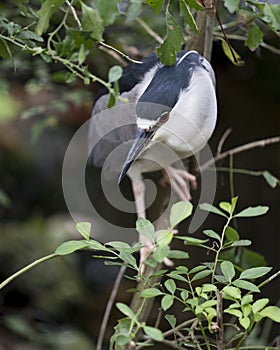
x: 218, y: 296
x: 66, y: 32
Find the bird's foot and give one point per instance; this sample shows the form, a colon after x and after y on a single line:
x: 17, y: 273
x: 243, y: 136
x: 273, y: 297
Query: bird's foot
x: 177, y: 178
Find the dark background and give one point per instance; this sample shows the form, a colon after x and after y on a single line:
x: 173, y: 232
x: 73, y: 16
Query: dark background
x: 66, y: 297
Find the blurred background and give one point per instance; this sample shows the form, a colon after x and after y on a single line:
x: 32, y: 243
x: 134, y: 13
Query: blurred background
x: 60, y: 304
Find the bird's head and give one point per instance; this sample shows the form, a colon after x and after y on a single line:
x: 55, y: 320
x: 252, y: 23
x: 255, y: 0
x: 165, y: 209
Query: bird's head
x: 161, y: 93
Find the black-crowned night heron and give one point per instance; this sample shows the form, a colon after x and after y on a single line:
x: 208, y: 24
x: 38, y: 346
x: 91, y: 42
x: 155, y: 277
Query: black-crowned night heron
x: 175, y: 113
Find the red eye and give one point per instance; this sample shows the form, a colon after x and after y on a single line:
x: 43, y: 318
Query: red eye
x: 164, y: 117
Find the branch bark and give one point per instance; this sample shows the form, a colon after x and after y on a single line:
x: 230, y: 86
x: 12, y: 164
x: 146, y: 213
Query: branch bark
x: 246, y: 147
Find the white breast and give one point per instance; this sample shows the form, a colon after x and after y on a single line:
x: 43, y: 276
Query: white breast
x: 190, y: 125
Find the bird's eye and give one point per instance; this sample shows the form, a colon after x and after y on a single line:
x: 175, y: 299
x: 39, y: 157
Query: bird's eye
x: 164, y: 117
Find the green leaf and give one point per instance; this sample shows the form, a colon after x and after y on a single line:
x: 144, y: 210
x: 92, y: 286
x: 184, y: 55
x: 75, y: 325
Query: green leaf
x: 246, y: 285
x: 127, y: 257
x: 201, y: 274
x: 176, y: 276
x: 221, y: 279
x: 170, y: 285
x: 145, y: 228
x: 194, y: 4
x: 82, y: 54
x: 188, y: 17
x: 197, y: 269
x: 272, y: 312
x: 95, y: 245
x: 167, y: 302
x: 115, y: 73
x: 232, y: 5
x: 160, y: 253
x: 171, y: 319
x: 226, y: 206
x: 211, y: 209
x: 70, y: 77
x: 207, y: 287
x: 126, y: 310
x: 91, y: 22
x: 45, y: 13
x: 241, y: 243
x: 230, y: 292
x: 178, y: 254
x: 5, y: 51
x: 118, y: 245
x: 184, y: 294
x: 5, y: 200
x: 259, y: 305
x: 150, y: 293
x: 156, y: 5
x: 108, y: 10
x: 70, y: 247
x: 231, y: 234
x: 232, y: 55
x: 179, y: 212
x: 164, y: 237
x: 254, y: 37
x: 272, y: 15
x: 270, y: 179
x: 192, y: 241
x: 255, y: 272
x: 228, y: 270
x: 153, y: 332
x: 172, y: 44
x: 246, y: 299
x: 84, y: 229
x: 252, y: 211
x: 245, y: 322
x: 212, y: 234
x: 134, y: 10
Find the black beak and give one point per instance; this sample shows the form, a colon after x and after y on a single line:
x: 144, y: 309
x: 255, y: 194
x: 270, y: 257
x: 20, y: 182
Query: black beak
x: 142, y: 137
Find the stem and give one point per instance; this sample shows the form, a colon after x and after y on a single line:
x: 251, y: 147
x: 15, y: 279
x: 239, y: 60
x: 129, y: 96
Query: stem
x: 269, y: 279
x: 220, y: 248
x: 240, y: 171
x: 149, y: 30
x: 74, y: 13
x: 220, y: 332
x: 119, y: 52
x: 231, y: 181
x: 244, y: 38
x: 109, y: 307
x: 27, y: 268
x: 239, y: 149
x: 203, y: 334
x: 169, y: 332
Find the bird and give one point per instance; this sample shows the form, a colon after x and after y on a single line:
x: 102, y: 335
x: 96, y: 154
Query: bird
x: 173, y: 116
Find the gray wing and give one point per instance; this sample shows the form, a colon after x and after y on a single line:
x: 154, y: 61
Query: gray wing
x: 110, y: 131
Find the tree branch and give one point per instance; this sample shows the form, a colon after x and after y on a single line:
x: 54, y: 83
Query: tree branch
x: 109, y: 308
x: 246, y: 147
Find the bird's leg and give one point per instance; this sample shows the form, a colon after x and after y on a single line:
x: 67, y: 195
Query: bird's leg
x: 177, y: 178
x: 138, y: 188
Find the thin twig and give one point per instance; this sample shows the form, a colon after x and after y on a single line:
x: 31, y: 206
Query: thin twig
x: 244, y: 38
x: 74, y: 13
x: 268, y: 280
x: 119, y: 52
x: 26, y: 268
x: 149, y: 30
x: 223, y: 139
x: 239, y: 149
x: 220, y: 328
x: 109, y: 308
x: 114, y: 54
